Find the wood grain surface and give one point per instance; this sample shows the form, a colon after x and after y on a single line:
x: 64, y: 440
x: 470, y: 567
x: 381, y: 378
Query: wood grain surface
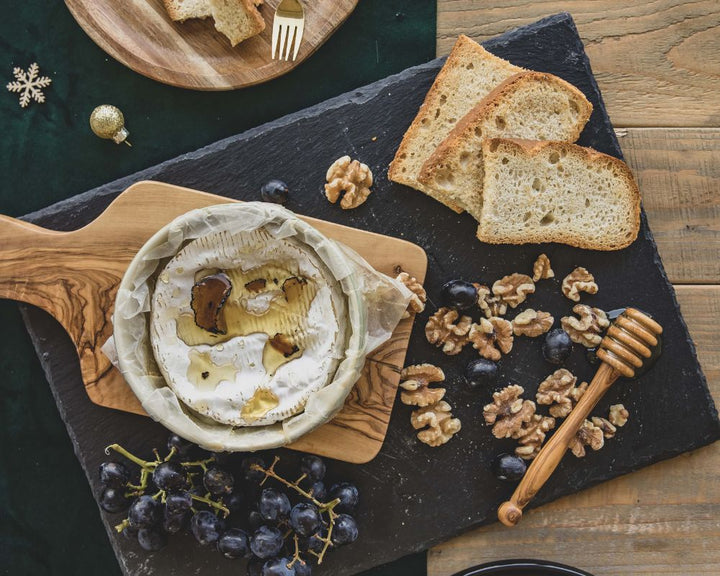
x: 678, y: 171
x: 192, y: 54
x: 657, y: 64
x: 74, y: 277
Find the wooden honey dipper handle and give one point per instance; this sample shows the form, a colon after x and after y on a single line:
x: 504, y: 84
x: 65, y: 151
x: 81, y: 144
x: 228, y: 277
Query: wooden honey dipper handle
x: 628, y: 342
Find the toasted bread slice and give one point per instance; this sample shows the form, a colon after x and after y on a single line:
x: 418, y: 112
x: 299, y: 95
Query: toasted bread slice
x: 529, y: 105
x: 180, y: 10
x: 469, y: 74
x: 557, y: 192
x: 237, y: 19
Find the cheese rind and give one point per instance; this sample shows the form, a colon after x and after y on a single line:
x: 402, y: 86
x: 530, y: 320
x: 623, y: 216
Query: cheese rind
x: 242, y: 359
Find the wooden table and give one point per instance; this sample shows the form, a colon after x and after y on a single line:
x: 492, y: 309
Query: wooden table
x: 658, y: 66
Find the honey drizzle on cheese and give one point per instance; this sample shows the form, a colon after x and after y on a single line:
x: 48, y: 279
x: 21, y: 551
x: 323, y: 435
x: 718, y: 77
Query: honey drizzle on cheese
x: 205, y: 374
x: 260, y: 404
x: 275, y: 311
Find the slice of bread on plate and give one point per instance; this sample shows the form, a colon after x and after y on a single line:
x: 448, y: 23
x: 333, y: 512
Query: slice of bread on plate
x: 469, y: 74
x: 237, y: 19
x: 180, y: 10
x: 528, y: 105
x: 557, y: 192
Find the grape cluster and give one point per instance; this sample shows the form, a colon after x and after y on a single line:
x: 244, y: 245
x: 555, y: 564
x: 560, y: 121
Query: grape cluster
x: 280, y: 526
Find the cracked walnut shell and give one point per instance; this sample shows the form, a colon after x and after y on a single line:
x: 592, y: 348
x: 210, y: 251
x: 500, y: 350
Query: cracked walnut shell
x: 532, y: 435
x: 618, y: 415
x: 351, y: 177
x: 587, y: 329
x: 579, y: 280
x: 419, y: 297
x: 513, y: 289
x: 587, y: 435
x: 415, y: 383
x: 542, y: 269
x: 490, y: 305
x: 491, y: 337
x: 441, y: 426
x: 442, y: 330
x: 508, y: 412
x: 532, y: 323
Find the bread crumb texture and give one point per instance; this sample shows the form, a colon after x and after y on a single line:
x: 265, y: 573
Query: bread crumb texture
x: 557, y: 192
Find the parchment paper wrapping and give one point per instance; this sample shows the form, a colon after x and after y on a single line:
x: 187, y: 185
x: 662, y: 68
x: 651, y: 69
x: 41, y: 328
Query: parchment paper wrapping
x: 375, y: 304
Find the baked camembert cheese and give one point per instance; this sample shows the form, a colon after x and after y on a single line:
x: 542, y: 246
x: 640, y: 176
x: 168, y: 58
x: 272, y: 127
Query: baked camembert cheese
x: 246, y: 326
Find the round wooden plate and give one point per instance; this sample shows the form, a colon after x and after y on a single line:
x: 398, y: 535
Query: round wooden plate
x: 192, y: 54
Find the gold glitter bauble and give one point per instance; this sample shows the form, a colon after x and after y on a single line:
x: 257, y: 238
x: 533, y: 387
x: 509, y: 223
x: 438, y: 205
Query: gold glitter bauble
x: 108, y: 122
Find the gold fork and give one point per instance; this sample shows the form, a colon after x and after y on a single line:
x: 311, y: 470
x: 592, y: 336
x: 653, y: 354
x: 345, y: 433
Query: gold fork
x: 288, y: 27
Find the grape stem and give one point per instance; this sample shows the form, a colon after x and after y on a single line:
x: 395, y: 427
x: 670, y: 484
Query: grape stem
x: 270, y: 473
x: 140, y: 488
x: 210, y: 502
x: 324, y: 507
x: 296, y: 554
x: 144, y: 464
x: 200, y: 463
x: 120, y: 527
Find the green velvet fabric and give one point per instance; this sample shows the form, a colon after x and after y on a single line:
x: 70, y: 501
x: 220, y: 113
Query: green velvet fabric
x: 49, y: 524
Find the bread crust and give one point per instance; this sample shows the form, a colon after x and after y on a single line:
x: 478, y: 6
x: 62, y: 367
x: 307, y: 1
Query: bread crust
x: 487, y: 107
x: 251, y: 10
x: 173, y: 10
x: 462, y: 46
x: 533, y: 148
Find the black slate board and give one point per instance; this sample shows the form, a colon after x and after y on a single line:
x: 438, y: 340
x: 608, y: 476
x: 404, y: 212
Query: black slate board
x: 413, y: 496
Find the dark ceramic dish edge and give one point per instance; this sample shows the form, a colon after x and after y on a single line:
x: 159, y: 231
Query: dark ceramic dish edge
x: 511, y: 568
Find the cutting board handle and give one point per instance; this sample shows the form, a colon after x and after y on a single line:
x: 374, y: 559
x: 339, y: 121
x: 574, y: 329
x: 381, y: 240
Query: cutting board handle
x: 25, y: 272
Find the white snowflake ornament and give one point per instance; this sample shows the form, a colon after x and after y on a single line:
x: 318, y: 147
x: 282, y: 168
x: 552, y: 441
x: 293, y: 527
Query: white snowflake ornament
x: 28, y: 84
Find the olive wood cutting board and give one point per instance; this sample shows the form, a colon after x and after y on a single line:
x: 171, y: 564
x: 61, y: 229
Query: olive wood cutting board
x: 193, y: 54
x: 414, y: 496
x: 74, y: 276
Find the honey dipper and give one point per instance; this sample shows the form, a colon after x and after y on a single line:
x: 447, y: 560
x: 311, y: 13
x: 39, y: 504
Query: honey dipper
x: 627, y: 344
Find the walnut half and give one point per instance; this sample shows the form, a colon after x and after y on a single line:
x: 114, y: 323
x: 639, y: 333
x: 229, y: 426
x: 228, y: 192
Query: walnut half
x: 513, y: 289
x: 587, y: 330
x: 587, y: 435
x: 618, y: 415
x: 351, y: 177
x: 532, y: 323
x: 415, y: 383
x: 489, y: 304
x: 443, y: 331
x: 419, y: 297
x: 579, y: 280
x: 532, y: 435
x: 556, y: 389
x: 542, y: 269
x: 508, y: 412
x: 438, y: 422
x: 605, y: 425
x: 491, y: 337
